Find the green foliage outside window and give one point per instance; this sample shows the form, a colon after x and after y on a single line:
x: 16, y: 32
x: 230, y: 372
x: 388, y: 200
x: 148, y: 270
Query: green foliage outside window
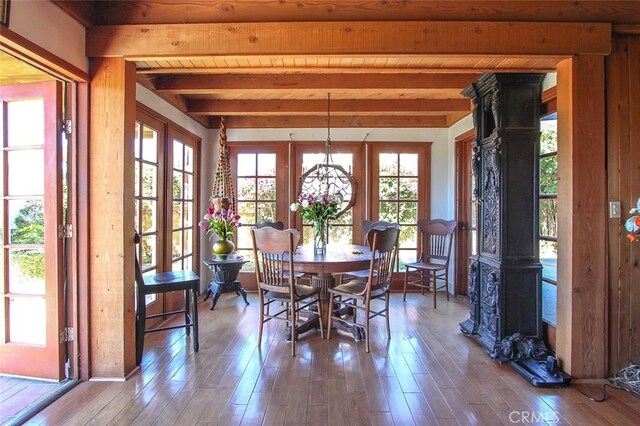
x: 549, y: 183
x: 29, y: 229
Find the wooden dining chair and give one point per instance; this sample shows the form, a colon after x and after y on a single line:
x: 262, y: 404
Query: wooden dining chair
x: 384, y: 245
x: 433, y: 263
x: 275, y: 274
x: 367, y: 227
x: 165, y: 282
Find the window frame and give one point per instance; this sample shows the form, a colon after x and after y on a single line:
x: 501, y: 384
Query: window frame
x: 423, y: 149
x: 172, y: 301
x: 549, y: 106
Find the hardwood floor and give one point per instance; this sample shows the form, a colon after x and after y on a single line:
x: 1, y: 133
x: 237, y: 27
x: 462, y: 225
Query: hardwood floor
x: 428, y: 373
x: 16, y: 394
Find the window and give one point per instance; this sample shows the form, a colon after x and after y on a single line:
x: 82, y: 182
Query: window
x: 400, y: 193
x: 166, y: 188
x: 261, y: 190
x: 341, y: 230
x: 148, y: 189
x: 548, y: 214
x: 183, y: 190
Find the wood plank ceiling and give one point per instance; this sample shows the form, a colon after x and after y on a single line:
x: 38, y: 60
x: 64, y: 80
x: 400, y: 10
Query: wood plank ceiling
x: 393, y: 90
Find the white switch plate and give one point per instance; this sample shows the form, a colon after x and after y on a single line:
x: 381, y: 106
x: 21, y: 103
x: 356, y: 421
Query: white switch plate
x: 614, y: 209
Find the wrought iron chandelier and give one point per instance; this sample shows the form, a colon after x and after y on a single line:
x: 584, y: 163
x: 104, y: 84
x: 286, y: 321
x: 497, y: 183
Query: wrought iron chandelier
x: 329, y: 177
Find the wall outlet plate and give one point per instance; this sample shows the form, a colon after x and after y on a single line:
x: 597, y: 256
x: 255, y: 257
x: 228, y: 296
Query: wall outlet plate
x: 614, y: 209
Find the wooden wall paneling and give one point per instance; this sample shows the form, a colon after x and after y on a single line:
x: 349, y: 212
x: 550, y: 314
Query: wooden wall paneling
x: 582, y: 277
x: 148, y: 42
x: 617, y: 150
x: 634, y: 180
x: 111, y: 206
x: 623, y: 92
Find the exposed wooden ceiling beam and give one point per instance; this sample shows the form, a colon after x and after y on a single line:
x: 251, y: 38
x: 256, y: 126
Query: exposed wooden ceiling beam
x: 344, y: 107
x: 177, y: 101
x: 349, y: 70
x: 146, y: 42
x: 162, y: 12
x: 212, y: 84
x: 254, y: 122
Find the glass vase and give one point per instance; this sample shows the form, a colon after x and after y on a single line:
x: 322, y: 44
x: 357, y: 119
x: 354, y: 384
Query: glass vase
x: 320, y: 238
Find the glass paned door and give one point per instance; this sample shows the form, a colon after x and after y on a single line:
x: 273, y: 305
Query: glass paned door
x: 400, y: 193
x: 149, y: 199
x: 260, y: 174
x: 31, y: 211
x: 182, y: 210
x: 256, y: 189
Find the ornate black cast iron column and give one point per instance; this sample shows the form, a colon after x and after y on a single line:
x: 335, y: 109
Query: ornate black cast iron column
x: 505, y: 275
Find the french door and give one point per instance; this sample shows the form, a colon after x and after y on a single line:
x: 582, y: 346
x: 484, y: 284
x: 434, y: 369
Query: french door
x: 31, y: 169
x: 150, y: 198
x: 400, y: 180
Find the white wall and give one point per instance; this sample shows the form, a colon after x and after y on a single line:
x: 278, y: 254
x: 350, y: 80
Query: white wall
x: 46, y: 25
x: 441, y: 196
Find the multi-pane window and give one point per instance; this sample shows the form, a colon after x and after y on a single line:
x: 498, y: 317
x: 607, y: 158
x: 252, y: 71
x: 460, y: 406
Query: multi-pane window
x: 147, y: 217
x: 256, y: 195
x: 341, y: 229
x: 548, y: 214
x: 182, y: 189
x: 397, y: 179
x: 25, y: 239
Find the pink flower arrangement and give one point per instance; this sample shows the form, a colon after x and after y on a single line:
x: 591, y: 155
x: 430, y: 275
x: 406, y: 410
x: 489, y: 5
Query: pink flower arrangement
x: 318, y: 208
x: 222, y: 222
x: 633, y: 223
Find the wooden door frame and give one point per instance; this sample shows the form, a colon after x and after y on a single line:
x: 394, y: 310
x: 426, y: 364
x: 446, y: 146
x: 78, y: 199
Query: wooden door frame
x: 463, y: 210
x: 36, y: 361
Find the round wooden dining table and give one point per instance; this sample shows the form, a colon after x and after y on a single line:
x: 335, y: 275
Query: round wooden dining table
x: 337, y: 259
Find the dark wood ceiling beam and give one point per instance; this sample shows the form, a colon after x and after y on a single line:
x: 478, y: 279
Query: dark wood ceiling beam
x: 257, y: 122
x: 201, y: 11
x: 164, y: 41
x: 339, y: 107
x: 253, y: 83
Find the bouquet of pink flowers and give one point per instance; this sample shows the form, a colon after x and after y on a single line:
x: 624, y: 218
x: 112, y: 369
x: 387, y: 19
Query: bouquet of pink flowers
x: 221, y: 222
x: 632, y: 224
x: 318, y: 208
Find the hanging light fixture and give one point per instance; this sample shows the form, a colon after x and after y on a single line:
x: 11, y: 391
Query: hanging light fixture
x: 329, y: 177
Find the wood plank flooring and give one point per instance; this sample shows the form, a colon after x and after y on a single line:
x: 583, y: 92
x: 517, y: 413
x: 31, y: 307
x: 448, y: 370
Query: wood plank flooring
x: 428, y: 373
x: 16, y: 394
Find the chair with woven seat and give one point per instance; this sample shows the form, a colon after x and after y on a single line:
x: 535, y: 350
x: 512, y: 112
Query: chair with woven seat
x: 165, y: 282
x: 433, y: 263
x: 384, y: 247
x: 275, y: 274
